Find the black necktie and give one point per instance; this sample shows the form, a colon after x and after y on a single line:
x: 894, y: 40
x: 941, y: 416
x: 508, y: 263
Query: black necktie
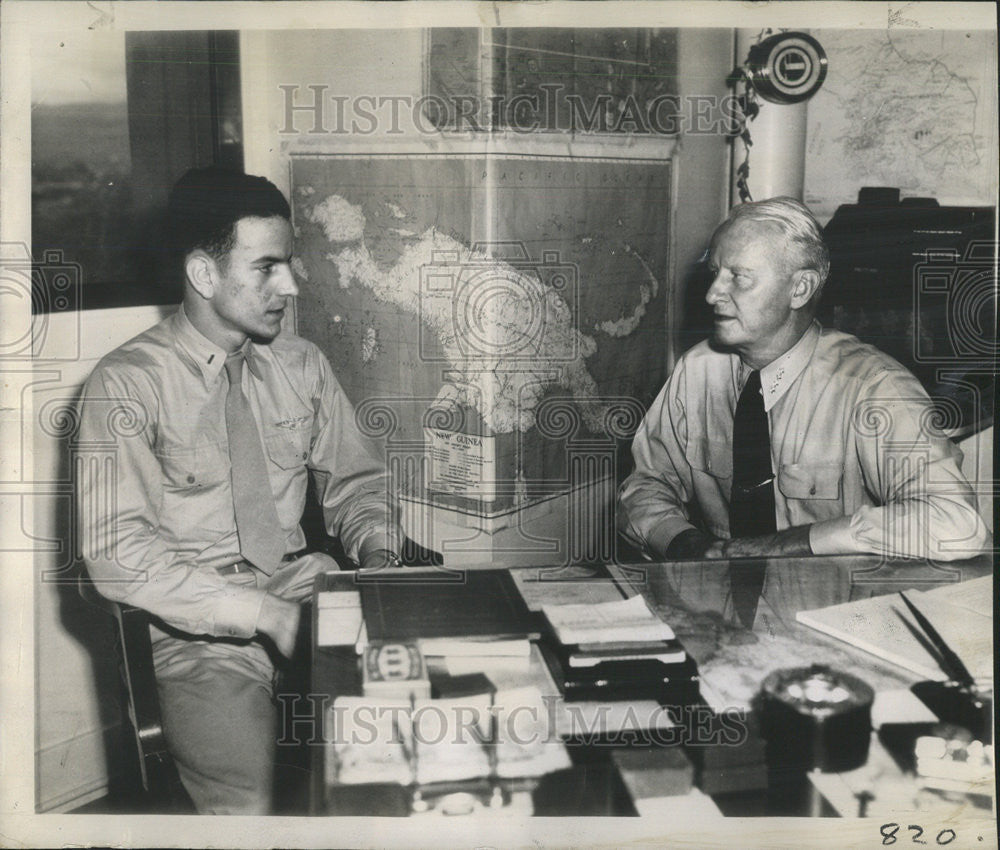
x: 751, y: 506
x: 262, y: 540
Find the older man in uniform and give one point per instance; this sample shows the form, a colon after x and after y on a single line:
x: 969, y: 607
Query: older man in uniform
x: 780, y: 437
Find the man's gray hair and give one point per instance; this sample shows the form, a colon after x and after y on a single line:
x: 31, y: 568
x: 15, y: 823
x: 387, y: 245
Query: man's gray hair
x: 798, y: 225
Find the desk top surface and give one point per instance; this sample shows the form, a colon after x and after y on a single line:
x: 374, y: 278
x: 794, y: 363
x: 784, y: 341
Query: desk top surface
x: 696, y: 599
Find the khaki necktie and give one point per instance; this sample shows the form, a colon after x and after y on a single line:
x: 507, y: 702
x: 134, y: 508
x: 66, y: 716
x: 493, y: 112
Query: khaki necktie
x: 262, y: 541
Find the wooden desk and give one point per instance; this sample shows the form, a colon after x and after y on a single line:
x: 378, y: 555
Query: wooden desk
x: 695, y: 598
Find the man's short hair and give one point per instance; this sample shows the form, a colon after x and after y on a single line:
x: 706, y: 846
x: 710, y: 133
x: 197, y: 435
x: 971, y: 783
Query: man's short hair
x: 798, y: 225
x: 206, y: 203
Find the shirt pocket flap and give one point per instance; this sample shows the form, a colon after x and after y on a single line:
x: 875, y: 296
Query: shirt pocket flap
x: 287, y: 450
x: 199, y: 466
x: 714, y: 457
x: 810, y: 481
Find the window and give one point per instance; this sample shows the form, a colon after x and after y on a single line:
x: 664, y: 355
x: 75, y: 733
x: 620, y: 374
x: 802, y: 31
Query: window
x: 116, y: 119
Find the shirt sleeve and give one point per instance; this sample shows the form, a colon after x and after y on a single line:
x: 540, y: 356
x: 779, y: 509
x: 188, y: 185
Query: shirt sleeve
x: 652, y: 501
x: 120, y: 485
x: 358, y: 498
x: 924, y: 507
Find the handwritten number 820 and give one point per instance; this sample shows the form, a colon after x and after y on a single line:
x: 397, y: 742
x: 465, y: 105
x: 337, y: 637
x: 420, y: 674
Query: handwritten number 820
x: 889, y: 830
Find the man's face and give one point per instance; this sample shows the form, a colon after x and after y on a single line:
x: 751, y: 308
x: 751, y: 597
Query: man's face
x: 751, y: 291
x: 255, y: 281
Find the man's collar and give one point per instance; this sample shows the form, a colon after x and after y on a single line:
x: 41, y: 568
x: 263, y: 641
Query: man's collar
x: 207, y: 356
x: 778, y: 375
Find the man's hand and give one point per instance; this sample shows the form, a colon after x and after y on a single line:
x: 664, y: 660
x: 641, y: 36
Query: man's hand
x: 380, y: 559
x: 375, y: 553
x: 279, y: 620
x: 695, y: 545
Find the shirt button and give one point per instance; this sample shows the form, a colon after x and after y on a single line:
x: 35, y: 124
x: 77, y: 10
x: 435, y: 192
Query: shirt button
x: 232, y: 631
x: 305, y: 455
x: 812, y: 490
x: 190, y: 479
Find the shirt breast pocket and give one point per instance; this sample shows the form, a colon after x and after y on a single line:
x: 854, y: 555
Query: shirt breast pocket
x: 288, y: 448
x: 194, y: 468
x: 713, y: 457
x: 194, y: 479
x: 810, y: 481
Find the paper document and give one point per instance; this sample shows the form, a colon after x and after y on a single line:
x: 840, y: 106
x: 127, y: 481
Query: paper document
x: 900, y: 706
x: 338, y: 618
x: 525, y: 732
x: 884, y: 627
x: 491, y: 665
x: 622, y: 620
x: 975, y: 595
x: 448, y: 738
x: 454, y: 647
x: 368, y: 737
x: 593, y: 719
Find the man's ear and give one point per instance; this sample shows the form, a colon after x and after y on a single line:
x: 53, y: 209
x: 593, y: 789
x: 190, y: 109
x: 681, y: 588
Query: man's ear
x: 201, y: 273
x: 805, y: 284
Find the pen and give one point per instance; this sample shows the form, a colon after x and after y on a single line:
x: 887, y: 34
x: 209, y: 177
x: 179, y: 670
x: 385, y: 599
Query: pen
x: 952, y: 663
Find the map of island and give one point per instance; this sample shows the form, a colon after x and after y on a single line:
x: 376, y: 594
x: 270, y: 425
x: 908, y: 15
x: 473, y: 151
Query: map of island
x: 485, y: 313
x: 468, y: 292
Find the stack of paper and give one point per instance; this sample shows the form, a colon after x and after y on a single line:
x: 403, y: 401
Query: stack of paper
x: 617, y: 650
x: 368, y: 737
x: 951, y: 765
x: 459, y: 647
x: 338, y: 618
x: 448, y: 739
x: 622, y: 621
x: 624, y: 630
x: 474, y: 655
x: 883, y: 626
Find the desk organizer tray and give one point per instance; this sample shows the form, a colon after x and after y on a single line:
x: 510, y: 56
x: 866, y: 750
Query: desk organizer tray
x: 674, y: 684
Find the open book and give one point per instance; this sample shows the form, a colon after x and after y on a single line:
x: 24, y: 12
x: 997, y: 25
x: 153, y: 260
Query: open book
x: 883, y: 625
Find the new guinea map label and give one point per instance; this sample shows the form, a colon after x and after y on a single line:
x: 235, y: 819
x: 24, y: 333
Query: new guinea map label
x: 461, y: 464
